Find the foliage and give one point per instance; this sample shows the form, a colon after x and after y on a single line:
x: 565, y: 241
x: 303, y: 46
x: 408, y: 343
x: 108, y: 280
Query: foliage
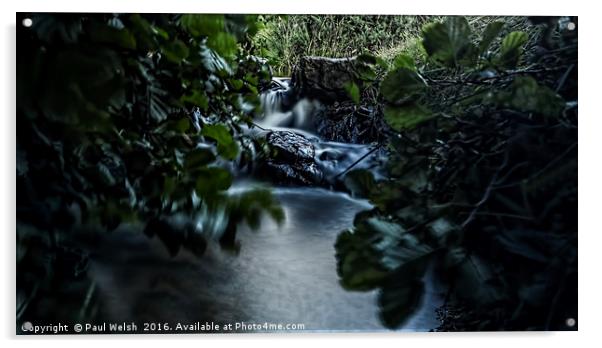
x: 482, y: 185
x: 449, y: 43
x: 283, y: 40
x: 130, y: 119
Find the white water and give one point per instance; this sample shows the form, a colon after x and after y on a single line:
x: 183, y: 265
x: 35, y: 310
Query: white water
x: 331, y: 157
x: 275, y: 115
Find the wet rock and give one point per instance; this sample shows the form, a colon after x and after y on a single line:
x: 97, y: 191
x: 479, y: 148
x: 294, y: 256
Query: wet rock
x: 326, y: 79
x: 291, y: 160
x: 349, y: 123
x: 298, y: 173
x: 291, y: 147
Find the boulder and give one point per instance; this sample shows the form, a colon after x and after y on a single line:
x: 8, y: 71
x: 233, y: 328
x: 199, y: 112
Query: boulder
x: 326, y: 79
x: 290, y: 146
x: 349, y: 123
x: 291, y: 159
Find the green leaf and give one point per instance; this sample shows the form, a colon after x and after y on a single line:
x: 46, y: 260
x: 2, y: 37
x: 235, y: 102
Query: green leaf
x: 525, y: 94
x: 144, y: 33
x: 252, y: 204
x: 198, y: 157
x: 448, y: 43
x: 398, y: 303
x: 489, y: 34
x: 252, y: 79
x: 183, y: 125
x: 357, y: 263
x: 202, y: 24
x: 360, y: 182
x: 375, y: 249
x: 353, y: 91
x: 401, y: 84
x: 473, y: 276
x: 404, y: 61
x: 402, y: 291
x: 512, y: 49
x: 396, y: 246
x: 406, y: 117
x: 197, y: 98
x: 236, y: 84
x: 78, y: 86
x: 175, y: 51
x: 224, y: 44
x: 211, y: 180
x: 381, y: 253
x: 160, y: 32
x: 111, y: 35
x: 226, y: 146
x: 169, y: 186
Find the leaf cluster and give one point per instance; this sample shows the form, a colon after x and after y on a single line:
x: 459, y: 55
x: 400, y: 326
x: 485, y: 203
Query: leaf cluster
x: 482, y: 186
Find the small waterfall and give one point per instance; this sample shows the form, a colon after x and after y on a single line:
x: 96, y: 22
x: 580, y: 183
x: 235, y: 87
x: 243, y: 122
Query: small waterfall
x: 272, y: 100
x: 279, y: 110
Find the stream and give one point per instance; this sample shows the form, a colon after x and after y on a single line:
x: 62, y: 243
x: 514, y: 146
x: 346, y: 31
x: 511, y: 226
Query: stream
x: 282, y: 274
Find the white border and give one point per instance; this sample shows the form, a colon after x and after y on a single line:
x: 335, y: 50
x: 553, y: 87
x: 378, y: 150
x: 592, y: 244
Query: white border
x: 589, y: 173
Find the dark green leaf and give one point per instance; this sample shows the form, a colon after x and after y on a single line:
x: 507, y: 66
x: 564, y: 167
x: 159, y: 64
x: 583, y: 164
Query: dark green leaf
x: 403, y: 290
x: 226, y: 146
x: 448, y: 43
x: 224, y: 44
x: 202, y: 24
x: 398, y: 303
x: 512, y: 49
x: 360, y: 182
x: 404, y: 61
x: 197, y: 98
x: 169, y: 186
x: 211, y: 180
x: 525, y: 94
x: 175, y: 51
x: 250, y: 205
x: 406, y: 117
x: 491, y: 32
x: 353, y: 91
x: 357, y: 263
x: 111, y: 35
x: 401, y: 85
x: 236, y: 84
x: 198, y: 157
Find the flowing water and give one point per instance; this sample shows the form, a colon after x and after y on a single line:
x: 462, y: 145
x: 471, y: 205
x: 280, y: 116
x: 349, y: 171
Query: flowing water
x: 281, y: 113
x: 282, y: 273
